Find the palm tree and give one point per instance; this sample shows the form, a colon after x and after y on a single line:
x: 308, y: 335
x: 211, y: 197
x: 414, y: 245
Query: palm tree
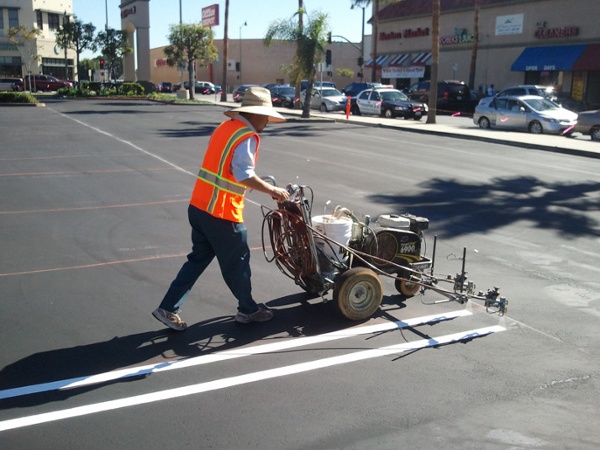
x: 310, y: 40
x: 435, y: 57
x: 225, y: 48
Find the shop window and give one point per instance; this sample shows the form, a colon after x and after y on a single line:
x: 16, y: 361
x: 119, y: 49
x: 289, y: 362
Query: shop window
x: 40, y: 20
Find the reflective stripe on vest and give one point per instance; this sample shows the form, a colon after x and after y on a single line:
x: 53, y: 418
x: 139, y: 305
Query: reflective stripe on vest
x: 216, y: 179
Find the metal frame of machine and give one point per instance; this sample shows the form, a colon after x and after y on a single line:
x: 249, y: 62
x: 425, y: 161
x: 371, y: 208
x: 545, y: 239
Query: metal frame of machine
x: 392, y: 247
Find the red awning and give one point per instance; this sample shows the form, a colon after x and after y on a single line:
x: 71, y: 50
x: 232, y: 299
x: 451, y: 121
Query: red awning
x: 589, y: 59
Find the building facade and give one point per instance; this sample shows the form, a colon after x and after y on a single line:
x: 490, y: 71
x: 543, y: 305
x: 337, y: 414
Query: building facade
x: 47, y: 16
x: 546, y: 42
x: 250, y: 62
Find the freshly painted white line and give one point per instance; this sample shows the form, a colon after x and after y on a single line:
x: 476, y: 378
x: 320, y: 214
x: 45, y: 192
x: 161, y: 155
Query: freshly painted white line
x: 229, y: 354
x: 244, y: 379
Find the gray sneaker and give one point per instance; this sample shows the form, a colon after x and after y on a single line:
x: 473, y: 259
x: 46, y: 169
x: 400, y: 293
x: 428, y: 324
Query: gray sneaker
x: 170, y: 319
x: 262, y: 315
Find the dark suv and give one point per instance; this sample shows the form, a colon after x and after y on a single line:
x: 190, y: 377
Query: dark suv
x: 353, y: 89
x: 453, y: 96
x: 548, y: 92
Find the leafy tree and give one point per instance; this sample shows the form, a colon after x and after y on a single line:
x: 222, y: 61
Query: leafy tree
x: 25, y: 39
x: 190, y: 43
x: 310, y: 40
x: 345, y: 72
x: 113, y: 46
x: 77, y: 36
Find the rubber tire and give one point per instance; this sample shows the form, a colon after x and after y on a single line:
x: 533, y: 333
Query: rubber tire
x: 484, y: 123
x: 358, y: 293
x: 324, y: 107
x: 595, y: 134
x: 387, y: 113
x: 536, y: 128
x: 406, y: 288
x: 355, y: 110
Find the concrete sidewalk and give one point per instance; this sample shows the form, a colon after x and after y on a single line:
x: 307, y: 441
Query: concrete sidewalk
x: 458, y: 127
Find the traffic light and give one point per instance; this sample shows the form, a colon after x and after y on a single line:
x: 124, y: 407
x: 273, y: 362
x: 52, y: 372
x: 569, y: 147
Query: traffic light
x: 328, y: 57
x: 101, y: 64
x: 360, y: 61
x: 237, y: 66
x: 329, y: 37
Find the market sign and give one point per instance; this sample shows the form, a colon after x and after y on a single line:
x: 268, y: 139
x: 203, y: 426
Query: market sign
x: 403, y: 72
x: 210, y: 16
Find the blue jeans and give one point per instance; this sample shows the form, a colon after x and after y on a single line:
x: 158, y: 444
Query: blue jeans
x: 227, y: 241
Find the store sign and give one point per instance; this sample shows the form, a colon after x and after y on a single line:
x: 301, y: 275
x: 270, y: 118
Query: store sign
x: 506, y: 25
x: 543, y: 32
x: 210, y: 16
x: 127, y: 12
x: 460, y: 36
x: 403, y: 72
x: 161, y: 62
x: 406, y: 34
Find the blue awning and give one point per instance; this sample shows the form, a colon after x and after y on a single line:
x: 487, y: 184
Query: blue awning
x: 554, y: 57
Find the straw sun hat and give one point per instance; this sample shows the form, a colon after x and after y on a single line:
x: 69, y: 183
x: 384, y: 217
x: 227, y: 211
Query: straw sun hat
x: 257, y: 100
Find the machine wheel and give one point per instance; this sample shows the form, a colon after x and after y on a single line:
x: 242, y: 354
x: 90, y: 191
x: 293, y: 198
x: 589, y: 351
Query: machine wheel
x: 484, y: 123
x: 358, y: 293
x: 387, y: 113
x: 324, y: 107
x: 407, y: 288
x: 355, y: 110
x: 595, y: 134
x: 536, y: 128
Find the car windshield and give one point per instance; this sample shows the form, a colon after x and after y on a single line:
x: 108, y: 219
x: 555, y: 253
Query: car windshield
x: 286, y: 91
x: 393, y: 96
x: 330, y: 93
x: 540, y: 104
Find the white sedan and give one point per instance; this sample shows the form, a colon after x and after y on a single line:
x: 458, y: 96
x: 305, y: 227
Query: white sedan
x: 326, y: 99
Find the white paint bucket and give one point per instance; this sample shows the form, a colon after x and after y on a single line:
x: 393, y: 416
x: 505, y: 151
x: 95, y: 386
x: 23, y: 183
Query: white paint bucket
x: 337, y: 229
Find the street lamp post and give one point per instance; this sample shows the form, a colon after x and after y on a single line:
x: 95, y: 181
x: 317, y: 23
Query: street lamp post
x: 243, y: 25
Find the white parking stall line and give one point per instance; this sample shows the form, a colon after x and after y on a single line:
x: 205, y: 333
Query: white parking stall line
x: 229, y: 354
x: 245, y: 379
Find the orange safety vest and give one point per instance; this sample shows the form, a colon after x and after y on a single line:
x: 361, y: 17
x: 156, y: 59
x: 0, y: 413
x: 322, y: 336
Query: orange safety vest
x: 216, y: 190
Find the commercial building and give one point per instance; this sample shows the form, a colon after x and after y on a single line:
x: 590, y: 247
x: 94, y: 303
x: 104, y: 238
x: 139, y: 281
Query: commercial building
x: 47, y: 16
x: 546, y: 42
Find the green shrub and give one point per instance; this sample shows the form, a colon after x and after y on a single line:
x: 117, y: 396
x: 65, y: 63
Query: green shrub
x: 17, y: 97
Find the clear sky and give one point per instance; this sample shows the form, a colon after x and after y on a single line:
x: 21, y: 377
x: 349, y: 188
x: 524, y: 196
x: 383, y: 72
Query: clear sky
x: 257, y: 14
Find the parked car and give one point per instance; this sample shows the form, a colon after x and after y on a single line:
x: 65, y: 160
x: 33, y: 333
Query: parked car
x: 317, y: 84
x: 283, y: 95
x: 353, y: 89
x: 164, y: 87
x: 11, y: 84
x: 588, y: 122
x: 326, y: 99
x: 528, y: 113
x: 46, y: 83
x: 388, y: 103
x: 177, y: 86
x: 205, y: 87
x: 238, y: 94
x: 453, y: 96
x: 548, y: 92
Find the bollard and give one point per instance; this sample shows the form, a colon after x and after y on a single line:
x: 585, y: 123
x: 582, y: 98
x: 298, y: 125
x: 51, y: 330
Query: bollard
x: 348, y: 107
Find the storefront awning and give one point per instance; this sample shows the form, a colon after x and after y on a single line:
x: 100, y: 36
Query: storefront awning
x: 554, y: 57
x: 397, y: 60
x: 381, y: 59
x: 589, y: 59
x: 422, y: 59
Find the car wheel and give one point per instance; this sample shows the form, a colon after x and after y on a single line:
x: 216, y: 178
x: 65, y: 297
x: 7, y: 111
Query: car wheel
x: 387, y: 113
x: 416, y: 117
x: 595, y: 134
x: 484, y: 123
x: 324, y: 107
x: 536, y: 128
x: 355, y: 110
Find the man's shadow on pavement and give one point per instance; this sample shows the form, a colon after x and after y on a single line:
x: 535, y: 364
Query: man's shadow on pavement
x: 297, y: 315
